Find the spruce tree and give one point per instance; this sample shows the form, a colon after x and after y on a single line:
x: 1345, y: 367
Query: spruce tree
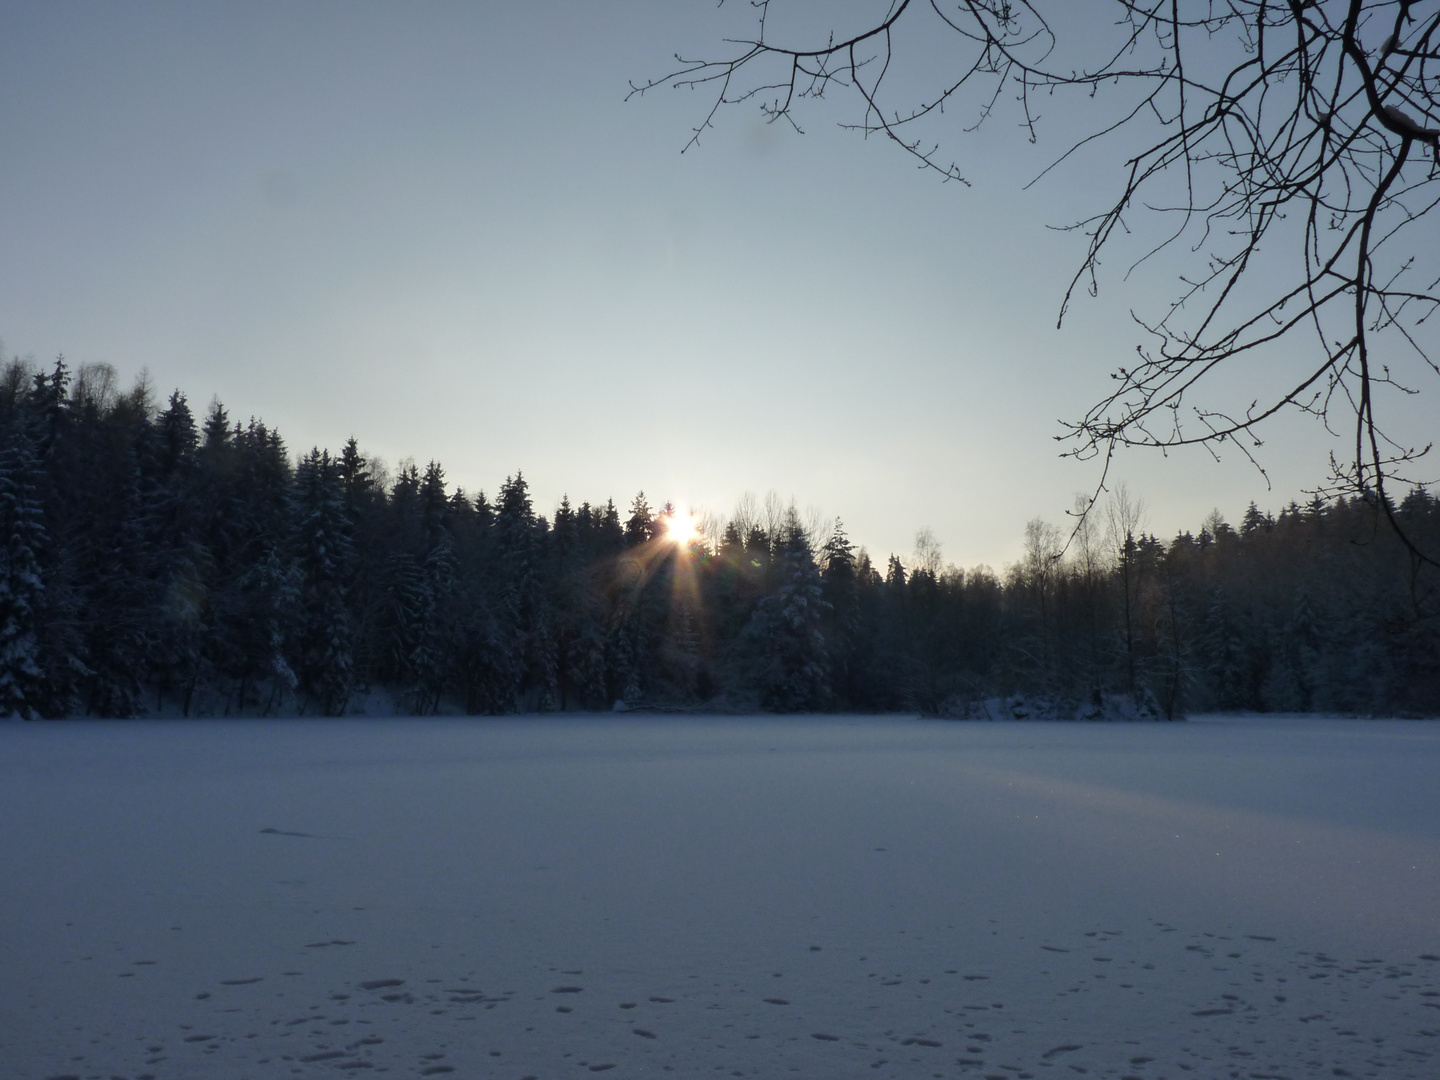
x: 842, y: 623
x: 21, y: 586
x: 786, y: 642
x: 640, y: 525
x: 324, y: 556
x: 520, y: 608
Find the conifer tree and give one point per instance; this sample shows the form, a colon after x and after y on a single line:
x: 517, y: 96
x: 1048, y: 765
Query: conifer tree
x: 324, y: 555
x: 787, y: 644
x: 840, y: 590
x: 520, y: 607
x: 21, y: 586
x: 113, y: 560
x: 641, y: 525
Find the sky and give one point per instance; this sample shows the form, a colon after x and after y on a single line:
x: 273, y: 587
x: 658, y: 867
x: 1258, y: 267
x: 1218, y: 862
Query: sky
x: 442, y: 229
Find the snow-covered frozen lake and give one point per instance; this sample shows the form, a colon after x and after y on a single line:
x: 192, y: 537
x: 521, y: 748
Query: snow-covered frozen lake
x: 823, y: 897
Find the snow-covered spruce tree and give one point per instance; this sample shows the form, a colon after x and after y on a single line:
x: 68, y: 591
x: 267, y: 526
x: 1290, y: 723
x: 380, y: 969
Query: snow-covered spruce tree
x: 577, y: 616
x: 520, y: 608
x: 262, y: 629
x: 485, y: 669
x: 401, y: 617
x: 889, y: 611
x: 403, y: 602
x: 788, y: 659
x: 1231, y: 656
x: 930, y: 679
x: 175, y: 530
x: 108, y: 541
x: 22, y: 589
x: 842, y: 622
x: 434, y: 662
x: 432, y: 658
x: 252, y: 581
x: 642, y: 660
x: 722, y: 585
x: 367, y: 511
x: 324, y: 660
x: 1170, y: 686
x: 482, y: 669
x: 46, y: 421
x: 417, y: 627
x: 208, y: 598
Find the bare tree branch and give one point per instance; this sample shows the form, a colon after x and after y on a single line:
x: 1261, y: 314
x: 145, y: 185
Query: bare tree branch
x: 1308, y: 128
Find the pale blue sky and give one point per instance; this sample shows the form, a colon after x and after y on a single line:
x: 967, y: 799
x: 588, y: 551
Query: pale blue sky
x: 440, y: 228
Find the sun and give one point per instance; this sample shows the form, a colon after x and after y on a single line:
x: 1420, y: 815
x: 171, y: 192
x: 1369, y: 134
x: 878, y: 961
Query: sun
x: 681, y: 529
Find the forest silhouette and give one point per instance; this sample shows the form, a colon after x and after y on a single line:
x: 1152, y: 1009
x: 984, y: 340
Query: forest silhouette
x: 156, y: 564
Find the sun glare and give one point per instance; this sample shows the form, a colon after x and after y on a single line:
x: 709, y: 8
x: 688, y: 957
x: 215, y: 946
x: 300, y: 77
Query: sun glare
x: 681, y: 528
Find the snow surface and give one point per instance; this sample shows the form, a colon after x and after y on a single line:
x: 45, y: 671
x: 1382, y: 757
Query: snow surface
x: 822, y: 897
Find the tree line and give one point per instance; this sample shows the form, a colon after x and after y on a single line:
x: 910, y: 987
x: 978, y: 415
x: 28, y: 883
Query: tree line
x: 155, y: 562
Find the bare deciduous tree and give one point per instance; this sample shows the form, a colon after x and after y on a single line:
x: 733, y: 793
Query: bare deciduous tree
x: 1125, y: 522
x: 1308, y: 127
x: 927, y: 555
